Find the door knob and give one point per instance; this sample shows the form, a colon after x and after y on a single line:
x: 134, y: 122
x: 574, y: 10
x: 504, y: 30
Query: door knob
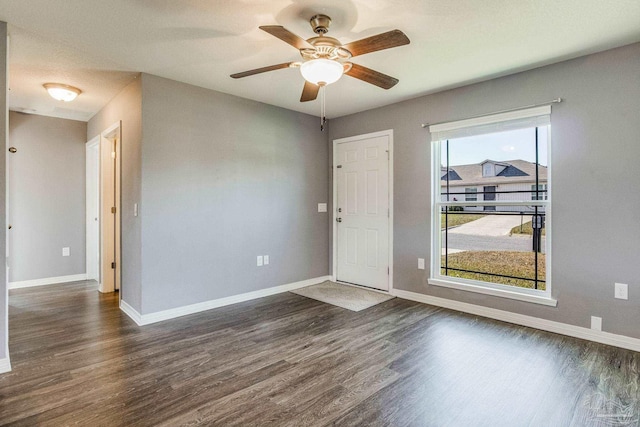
x: 339, y: 219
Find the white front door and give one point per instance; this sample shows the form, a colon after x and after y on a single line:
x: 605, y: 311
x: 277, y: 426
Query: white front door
x: 362, y: 210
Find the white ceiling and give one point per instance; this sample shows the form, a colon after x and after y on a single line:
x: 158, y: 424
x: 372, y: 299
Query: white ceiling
x: 100, y: 45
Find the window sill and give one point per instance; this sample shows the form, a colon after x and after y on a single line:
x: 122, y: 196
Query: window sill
x: 502, y: 293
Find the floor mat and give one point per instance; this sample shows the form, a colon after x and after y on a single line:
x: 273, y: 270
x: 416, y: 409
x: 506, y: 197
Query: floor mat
x: 350, y: 297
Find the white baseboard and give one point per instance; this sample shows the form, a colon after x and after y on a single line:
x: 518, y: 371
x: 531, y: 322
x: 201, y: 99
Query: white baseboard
x: 131, y: 312
x: 608, y: 338
x: 47, y: 281
x: 5, y: 365
x: 159, y: 316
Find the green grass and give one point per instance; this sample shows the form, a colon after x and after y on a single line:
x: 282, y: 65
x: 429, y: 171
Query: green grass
x: 520, y: 264
x: 526, y: 229
x: 456, y: 219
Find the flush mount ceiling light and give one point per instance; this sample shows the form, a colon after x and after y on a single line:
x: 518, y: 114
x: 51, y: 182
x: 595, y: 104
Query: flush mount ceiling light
x: 62, y: 92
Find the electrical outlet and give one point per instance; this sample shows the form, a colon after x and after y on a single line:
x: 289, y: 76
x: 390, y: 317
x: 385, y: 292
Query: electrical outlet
x: 420, y: 263
x: 260, y: 260
x: 621, y: 291
x: 596, y: 323
x: 65, y: 252
x: 266, y: 259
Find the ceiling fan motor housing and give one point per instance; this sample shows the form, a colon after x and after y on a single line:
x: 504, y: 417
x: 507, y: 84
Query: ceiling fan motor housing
x: 325, y: 47
x: 320, y: 24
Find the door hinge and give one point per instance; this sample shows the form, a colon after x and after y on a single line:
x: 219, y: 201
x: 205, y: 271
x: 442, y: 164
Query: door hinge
x: 388, y: 271
x: 113, y: 210
x: 339, y: 166
x: 113, y: 265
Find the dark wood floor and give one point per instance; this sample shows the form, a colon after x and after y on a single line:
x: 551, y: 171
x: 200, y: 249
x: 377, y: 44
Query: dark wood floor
x: 292, y: 361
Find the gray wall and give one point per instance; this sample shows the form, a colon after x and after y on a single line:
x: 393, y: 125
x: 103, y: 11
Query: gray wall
x: 4, y: 296
x: 127, y: 106
x: 46, y: 197
x: 595, y: 154
x: 224, y: 180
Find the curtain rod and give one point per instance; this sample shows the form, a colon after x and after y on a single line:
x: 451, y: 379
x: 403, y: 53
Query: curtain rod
x: 553, y: 101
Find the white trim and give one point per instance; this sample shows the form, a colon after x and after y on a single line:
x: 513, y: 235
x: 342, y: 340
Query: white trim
x: 131, y: 312
x: 5, y: 365
x: 490, y: 119
x: 47, y: 281
x: 113, y: 132
x: 110, y: 132
x: 608, y: 338
x: 159, y: 316
x: 334, y: 252
x: 488, y: 289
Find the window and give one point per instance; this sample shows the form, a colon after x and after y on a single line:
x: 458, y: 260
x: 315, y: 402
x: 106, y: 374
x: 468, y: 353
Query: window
x: 470, y: 194
x: 497, y: 243
x: 540, y: 194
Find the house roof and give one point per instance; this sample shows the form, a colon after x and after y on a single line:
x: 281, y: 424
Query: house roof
x: 515, y: 171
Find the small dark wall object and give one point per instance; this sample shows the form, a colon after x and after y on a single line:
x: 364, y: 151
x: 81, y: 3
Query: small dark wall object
x: 13, y: 150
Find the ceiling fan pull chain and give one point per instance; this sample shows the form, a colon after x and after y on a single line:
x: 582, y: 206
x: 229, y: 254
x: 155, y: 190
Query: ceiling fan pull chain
x: 322, y: 107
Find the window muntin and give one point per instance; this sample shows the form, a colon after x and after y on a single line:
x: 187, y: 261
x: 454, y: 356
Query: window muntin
x: 494, y: 261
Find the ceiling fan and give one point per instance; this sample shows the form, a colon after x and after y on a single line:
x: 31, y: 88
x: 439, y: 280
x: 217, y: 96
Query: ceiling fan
x: 325, y: 59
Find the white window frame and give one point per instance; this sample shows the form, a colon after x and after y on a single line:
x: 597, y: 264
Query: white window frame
x: 539, y: 116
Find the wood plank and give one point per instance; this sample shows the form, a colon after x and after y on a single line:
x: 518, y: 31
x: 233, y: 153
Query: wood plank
x: 290, y: 360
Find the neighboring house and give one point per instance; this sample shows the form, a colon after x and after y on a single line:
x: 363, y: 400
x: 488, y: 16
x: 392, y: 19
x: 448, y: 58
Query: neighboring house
x: 490, y: 180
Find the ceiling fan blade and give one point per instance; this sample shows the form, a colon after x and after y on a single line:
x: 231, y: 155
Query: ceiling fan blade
x: 287, y: 36
x: 371, y: 76
x: 261, y: 70
x: 378, y: 42
x: 309, y: 92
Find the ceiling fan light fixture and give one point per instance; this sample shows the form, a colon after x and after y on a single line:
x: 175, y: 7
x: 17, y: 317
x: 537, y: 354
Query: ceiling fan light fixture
x: 321, y: 71
x: 62, y: 92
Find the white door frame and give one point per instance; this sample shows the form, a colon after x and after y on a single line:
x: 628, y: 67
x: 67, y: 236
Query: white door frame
x: 104, y: 142
x: 92, y: 194
x: 106, y: 137
x: 389, y: 133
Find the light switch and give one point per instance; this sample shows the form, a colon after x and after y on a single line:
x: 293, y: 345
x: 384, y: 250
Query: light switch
x: 322, y: 207
x: 65, y: 252
x: 266, y: 259
x: 135, y: 209
x: 259, y: 261
x: 420, y: 263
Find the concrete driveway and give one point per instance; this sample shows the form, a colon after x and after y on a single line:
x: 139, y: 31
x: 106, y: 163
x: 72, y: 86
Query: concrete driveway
x: 490, y: 225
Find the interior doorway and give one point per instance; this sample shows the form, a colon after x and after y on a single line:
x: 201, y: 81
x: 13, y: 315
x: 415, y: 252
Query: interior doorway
x: 103, y: 209
x: 93, y: 208
x: 363, y: 211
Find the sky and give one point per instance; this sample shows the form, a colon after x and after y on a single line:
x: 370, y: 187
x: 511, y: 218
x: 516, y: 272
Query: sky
x: 509, y: 145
